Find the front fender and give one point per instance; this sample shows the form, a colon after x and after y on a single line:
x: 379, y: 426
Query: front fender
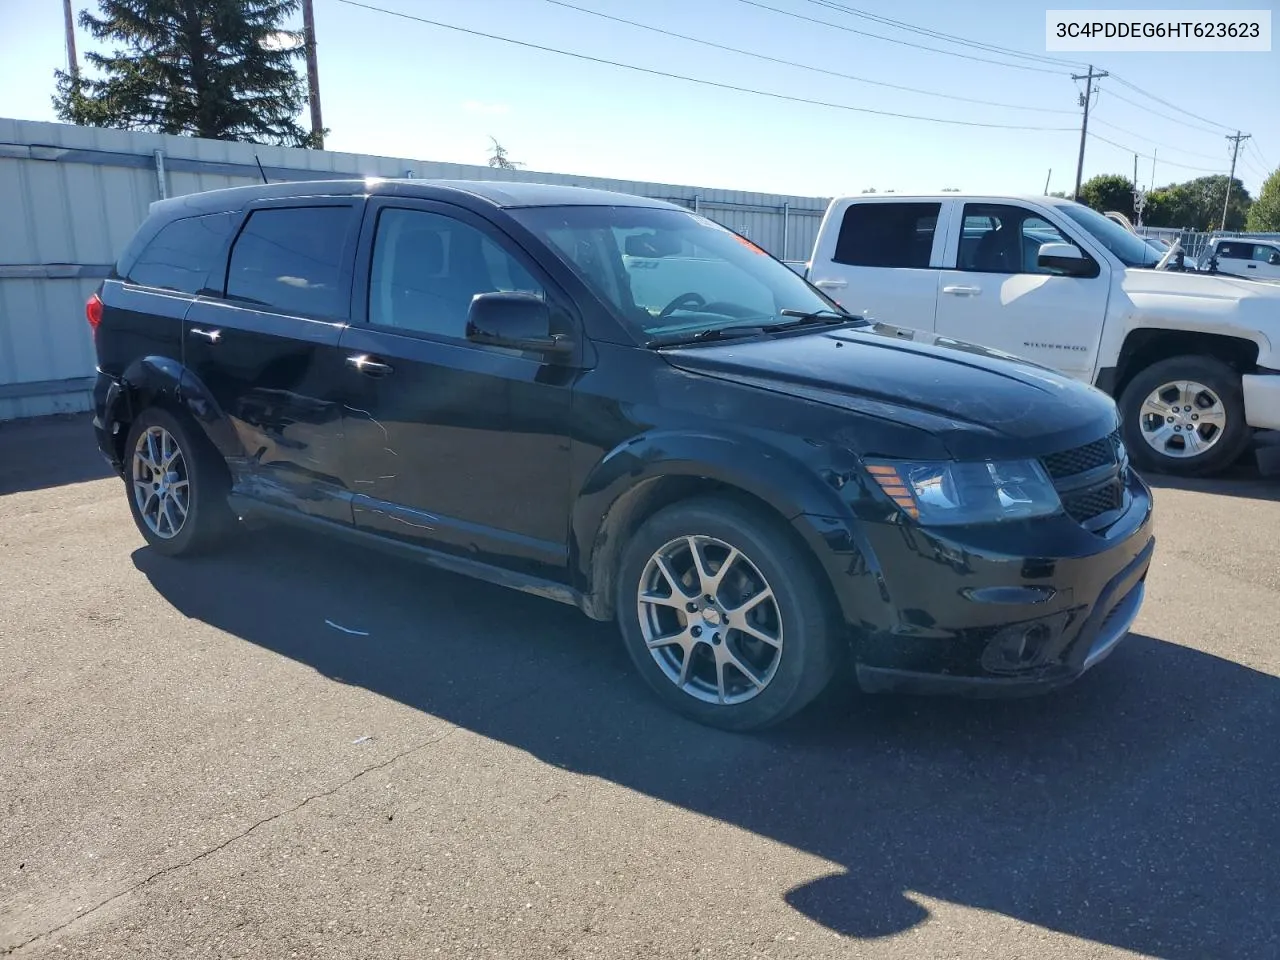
x: 615, y: 488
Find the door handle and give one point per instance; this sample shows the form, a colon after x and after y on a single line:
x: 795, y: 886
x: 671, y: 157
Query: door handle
x: 365, y: 364
x: 962, y: 291
x: 831, y: 284
x: 1252, y: 266
x: 213, y: 336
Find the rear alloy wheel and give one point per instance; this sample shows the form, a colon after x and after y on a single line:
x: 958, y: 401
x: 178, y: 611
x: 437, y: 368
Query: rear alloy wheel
x: 177, y: 484
x: 724, y: 616
x: 1185, y: 416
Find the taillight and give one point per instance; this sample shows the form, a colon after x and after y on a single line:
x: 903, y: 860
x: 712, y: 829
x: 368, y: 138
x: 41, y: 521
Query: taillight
x: 93, y: 311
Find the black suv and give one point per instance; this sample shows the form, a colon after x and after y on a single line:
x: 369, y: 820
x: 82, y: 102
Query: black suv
x: 616, y: 403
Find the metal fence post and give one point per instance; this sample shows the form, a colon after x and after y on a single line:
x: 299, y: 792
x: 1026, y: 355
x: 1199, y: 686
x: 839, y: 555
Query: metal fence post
x: 162, y: 181
x: 786, y: 227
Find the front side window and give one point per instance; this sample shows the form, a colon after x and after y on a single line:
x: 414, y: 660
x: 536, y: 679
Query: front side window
x: 181, y: 255
x: 1002, y: 238
x: 289, y: 259
x: 427, y: 267
x: 887, y: 235
x: 1265, y: 254
x: 667, y: 271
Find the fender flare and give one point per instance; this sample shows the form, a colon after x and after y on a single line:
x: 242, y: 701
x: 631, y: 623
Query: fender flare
x: 157, y: 380
x: 614, y: 492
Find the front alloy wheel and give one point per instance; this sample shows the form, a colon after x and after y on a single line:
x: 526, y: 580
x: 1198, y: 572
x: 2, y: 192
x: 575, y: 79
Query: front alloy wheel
x: 161, y: 489
x: 710, y: 620
x: 726, y: 614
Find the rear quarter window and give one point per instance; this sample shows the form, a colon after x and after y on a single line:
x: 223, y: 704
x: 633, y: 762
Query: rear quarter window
x: 181, y: 255
x: 887, y: 234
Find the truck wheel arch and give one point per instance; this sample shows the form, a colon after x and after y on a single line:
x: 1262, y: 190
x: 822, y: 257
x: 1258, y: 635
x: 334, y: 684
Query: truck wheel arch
x: 1148, y: 345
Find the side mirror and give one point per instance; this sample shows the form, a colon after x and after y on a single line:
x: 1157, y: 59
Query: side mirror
x: 1067, y: 258
x: 518, y: 321
x: 1274, y: 260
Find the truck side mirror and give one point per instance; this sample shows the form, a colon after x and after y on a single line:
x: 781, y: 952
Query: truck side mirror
x: 1274, y: 260
x: 1067, y: 258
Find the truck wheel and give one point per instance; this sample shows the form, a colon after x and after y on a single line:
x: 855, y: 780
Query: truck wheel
x: 1185, y: 416
x: 177, y: 484
x: 724, y: 615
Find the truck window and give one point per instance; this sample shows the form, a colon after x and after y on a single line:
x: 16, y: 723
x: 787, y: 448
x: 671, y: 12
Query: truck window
x: 1263, y: 253
x: 1235, y: 250
x: 1002, y: 238
x: 887, y: 234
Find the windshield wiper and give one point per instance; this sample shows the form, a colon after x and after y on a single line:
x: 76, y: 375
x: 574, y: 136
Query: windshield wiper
x: 702, y: 336
x: 824, y: 316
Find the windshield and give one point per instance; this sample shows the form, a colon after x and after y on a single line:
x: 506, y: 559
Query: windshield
x: 667, y: 271
x: 1128, y: 248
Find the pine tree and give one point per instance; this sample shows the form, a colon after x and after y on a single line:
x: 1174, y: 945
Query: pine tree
x: 205, y: 68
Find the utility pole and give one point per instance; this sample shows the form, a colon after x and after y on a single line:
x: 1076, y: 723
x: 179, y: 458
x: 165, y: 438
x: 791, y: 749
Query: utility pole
x: 73, y: 62
x: 1047, y: 177
x: 313, y: 71
x: 1235, y: 152
x: 1139, y: 195
x: 1088, y: 78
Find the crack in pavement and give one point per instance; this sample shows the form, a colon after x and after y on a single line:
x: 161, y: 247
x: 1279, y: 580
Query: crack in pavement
x: 8, y: 951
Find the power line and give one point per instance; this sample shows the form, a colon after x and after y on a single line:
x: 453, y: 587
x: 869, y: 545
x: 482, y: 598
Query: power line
x: 1154, y: 143
x: 940, y: 35
x: 905, y: 43
x: 1253, y: 145
x: 708, y: 83
x: 1147, y: 156
x: 1171, y: 106
x: 1157, y: 113
x: 802, y: 66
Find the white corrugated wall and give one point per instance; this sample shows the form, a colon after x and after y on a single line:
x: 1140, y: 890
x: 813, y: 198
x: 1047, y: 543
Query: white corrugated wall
x: 71, y: 197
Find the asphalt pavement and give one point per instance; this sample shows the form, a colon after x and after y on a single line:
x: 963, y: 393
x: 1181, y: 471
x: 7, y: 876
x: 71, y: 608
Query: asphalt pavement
x: 298, y: 749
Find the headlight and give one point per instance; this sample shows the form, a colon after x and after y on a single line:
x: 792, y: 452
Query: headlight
x: 955, y: 492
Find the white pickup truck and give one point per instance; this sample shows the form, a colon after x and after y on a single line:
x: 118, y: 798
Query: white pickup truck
x: 1192, y: 359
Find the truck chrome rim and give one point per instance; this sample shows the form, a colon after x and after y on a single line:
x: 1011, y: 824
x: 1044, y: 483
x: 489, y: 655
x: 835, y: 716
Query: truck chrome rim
x: 160, y: 485
x: 710, y: 620
x: 1182, y: 419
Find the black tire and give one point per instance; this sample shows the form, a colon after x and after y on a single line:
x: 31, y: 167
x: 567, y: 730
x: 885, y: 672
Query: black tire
x: 810, y: 625
x: 208, y: 519
x: 1219, y: 377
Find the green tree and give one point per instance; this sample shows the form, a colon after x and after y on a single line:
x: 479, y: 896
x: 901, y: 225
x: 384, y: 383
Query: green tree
x: 1264, y: 215
x: 205, y: 68
x: 1107, y: 192
x: 1197, y: 205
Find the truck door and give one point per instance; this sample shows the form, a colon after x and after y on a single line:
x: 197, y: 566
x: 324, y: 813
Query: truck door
x: 993, y: 293
x: 881, y: 259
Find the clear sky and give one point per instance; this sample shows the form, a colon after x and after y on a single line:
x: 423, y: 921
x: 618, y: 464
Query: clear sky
x: 396, y: 87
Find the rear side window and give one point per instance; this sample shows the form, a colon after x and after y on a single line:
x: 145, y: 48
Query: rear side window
x: 181, y: 255
x: 1236, y: 250
x: 289, y: 259
x: 887, y: 234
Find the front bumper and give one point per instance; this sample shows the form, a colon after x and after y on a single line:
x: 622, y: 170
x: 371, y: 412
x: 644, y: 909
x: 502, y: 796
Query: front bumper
x: 1262, y: 399
x: 1003, y: 610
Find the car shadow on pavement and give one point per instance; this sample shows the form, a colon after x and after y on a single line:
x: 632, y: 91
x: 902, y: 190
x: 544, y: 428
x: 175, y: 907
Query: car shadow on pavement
x: 49, y: 452
x: 1136, y: 808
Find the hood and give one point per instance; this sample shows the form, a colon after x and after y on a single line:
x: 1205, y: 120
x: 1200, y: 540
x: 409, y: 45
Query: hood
x: 980, y: 402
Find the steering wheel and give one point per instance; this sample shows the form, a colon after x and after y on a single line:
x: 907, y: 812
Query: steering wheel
x: 685, y: 299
